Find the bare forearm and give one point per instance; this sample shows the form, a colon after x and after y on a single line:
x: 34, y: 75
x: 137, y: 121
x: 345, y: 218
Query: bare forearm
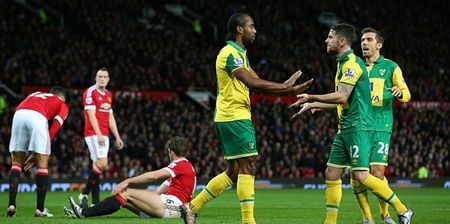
x: 323, y: 106
x: 113, y: 126
x: 143, y: 178
x: 330, y: 98
x: 269, y: 86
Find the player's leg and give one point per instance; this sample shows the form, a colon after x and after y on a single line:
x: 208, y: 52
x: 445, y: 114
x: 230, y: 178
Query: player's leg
x: 337, y: 162
x: 378, y: 163
x: 18, y: 159
x: 104, y: 207
x: 378, y: 171
x: 229, y: 141
x: 359, y: 190
x: 41, y: 161
x: 100, y: 162
x: 17, y: 147
x: 246, y: 188
x: 360, y: 145
x: 215, y: 186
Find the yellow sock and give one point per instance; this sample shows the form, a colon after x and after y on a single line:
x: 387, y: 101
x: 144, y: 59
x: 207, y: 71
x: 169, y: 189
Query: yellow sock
x: 383, y: 191
x: 384, y: 206
x: 360, y: 192
x: 246, y: 194
x: 214, y: 188
x: 333, y: 195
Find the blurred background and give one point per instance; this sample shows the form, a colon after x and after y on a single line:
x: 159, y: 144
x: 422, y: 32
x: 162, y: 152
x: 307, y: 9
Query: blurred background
x: 161, y: 57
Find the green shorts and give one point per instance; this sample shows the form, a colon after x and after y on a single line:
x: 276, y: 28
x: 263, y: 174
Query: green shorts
x: 237, y: 138
x: 351, y: 150
x: 379, y: 154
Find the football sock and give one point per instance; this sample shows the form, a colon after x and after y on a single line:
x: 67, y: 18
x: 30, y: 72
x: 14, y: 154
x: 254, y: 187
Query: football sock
x: 41, y: 187
x: 384, y: 206
x: 333, y: 195
x: 105, y: 207
x: 14, y: 176
x: 214, y: 188
x: 360, y: 192
x: 383, y: 191
x: 93, y: 184
x: 246, y: 194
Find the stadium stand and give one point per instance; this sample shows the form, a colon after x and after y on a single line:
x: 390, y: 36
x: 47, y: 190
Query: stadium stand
x: 148, y: 47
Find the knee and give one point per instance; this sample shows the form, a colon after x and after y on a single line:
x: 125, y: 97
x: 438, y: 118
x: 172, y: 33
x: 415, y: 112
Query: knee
x: 333, y: 173
x: 378, y: 171
x: 247, y: 165
x: 102, y: 164
x: 360, y: 176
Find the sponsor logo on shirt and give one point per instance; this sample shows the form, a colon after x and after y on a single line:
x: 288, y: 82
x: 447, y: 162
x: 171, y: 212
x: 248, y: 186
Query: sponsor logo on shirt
x: 238, y: 62
x: 88, y: 100
x: 350, y: 73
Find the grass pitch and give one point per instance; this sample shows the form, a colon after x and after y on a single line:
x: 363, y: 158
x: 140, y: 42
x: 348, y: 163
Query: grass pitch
x: 284, y: 206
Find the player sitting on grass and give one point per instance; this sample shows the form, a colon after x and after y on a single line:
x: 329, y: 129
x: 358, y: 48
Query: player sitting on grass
x: 163, y: 202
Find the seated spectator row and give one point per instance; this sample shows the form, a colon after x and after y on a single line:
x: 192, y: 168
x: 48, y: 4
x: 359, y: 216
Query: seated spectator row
x: 292, y: 149
x: 164, y: 53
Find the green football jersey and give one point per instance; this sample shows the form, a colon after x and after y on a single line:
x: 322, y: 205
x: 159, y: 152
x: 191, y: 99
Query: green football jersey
x: 356, y: 113
x: 384, y: 74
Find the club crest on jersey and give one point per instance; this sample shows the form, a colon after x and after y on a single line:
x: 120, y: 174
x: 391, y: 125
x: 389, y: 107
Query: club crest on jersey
x: 238, y: 62
x: 88, y: 100
x: 105, y: 106
x: 382, y: 71
x: 350, y: 73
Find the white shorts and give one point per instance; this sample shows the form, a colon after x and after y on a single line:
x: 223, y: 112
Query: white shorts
x: 97, y: 151
x: 29, y: 133
x: 171, y: 207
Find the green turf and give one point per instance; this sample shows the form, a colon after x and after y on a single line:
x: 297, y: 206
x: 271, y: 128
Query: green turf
x: 431, y: 205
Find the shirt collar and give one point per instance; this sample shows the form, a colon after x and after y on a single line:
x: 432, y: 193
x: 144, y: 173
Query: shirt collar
x: 235, y: 45
x: 344, y: 57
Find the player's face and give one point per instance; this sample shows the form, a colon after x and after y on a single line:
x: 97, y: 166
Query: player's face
x: 102, y: 79
x: 248, y: 32
x: 332, y: 42
x: 369, y: 44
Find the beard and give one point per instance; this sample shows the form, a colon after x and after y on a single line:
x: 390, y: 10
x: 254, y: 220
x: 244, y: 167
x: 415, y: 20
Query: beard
x: 248, y: 41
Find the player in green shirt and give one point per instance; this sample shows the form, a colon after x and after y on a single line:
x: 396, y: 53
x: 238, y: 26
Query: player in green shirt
x: 352, y: 144
x: 386, y: 85
x: 232, y: 118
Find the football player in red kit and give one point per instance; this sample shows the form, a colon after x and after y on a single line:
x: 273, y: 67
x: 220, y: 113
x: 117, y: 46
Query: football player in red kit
x: 164, y: 202
x: 98, y: 119
x: 31, y: 134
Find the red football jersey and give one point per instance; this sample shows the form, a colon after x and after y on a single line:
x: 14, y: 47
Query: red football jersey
x: 50, y: 106
x: 102, y: 103
x: 182, y: 179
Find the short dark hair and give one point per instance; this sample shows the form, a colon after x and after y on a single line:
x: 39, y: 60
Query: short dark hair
x: 379, y: 36
x: 346, y: 31
x: 235, y: 20
x: 104, y: 69
x: 58, y: 90
x: 178, y: 145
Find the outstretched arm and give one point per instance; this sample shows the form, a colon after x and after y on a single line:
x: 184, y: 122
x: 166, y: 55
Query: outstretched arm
x: 141, y: 179
x: 252, y: 81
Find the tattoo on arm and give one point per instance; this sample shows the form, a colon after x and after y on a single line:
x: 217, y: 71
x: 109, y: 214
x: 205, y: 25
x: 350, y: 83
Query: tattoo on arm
x: 345, y: 89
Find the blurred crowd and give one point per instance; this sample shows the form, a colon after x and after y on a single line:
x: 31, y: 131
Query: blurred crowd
x: 145, y: 47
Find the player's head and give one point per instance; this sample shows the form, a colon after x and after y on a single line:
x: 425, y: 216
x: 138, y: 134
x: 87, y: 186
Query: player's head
x: 371, y: 42
x: 177, y: 145
x: 240, y: 27
x: 59, y: 91
x: 340, y: 37
x: 102, y: 78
